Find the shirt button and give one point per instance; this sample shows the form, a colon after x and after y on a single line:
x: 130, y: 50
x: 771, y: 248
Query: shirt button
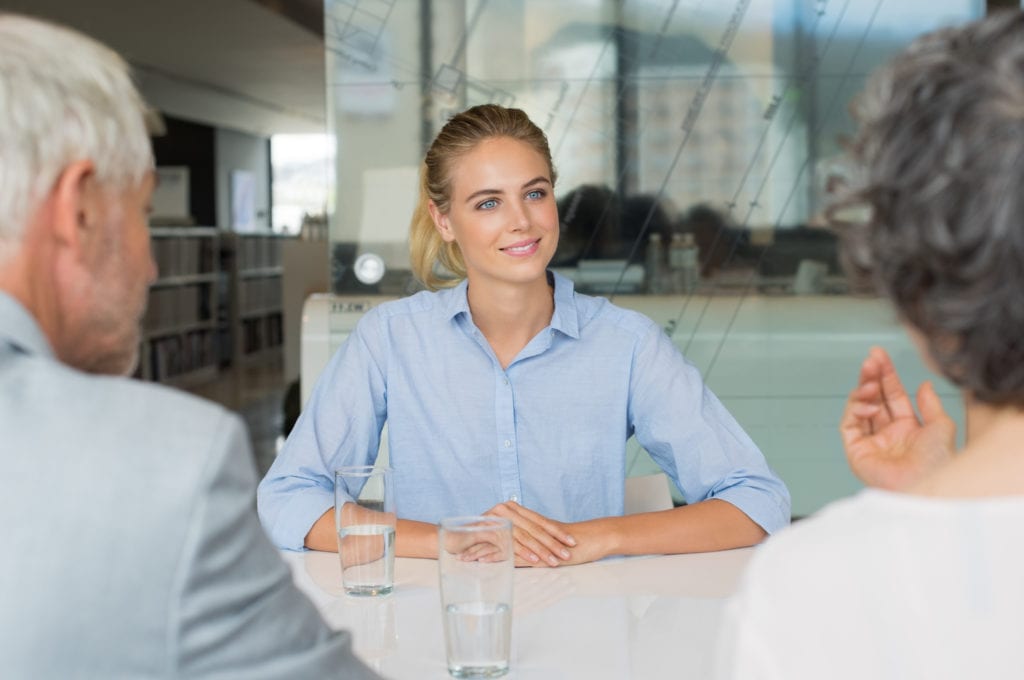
x: 505, y: 381
x: 514, y: 498
x: 508, y: 443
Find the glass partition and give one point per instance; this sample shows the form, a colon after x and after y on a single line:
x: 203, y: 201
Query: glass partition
x: 694, y: 142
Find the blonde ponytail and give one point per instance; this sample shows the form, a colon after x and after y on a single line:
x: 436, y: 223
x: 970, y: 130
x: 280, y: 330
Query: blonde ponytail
x: 427, y: 249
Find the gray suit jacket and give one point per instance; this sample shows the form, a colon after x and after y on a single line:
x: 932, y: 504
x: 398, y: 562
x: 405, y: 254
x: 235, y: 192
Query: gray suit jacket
x: 130, y: 543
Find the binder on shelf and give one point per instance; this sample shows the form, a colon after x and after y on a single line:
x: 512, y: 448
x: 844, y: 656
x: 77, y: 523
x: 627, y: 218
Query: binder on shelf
x: 179, y: 328
x: 258, y: 323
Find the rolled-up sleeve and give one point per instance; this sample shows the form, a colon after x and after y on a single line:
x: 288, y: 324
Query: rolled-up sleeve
x: 695, y: 440
x: 340, y: 426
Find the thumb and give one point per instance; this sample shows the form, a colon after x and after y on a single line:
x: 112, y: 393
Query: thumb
x: 929, y: 404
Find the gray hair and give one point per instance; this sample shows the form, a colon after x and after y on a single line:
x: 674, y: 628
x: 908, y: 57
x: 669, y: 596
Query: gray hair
x: 940, y: 149
x: 63, y: 97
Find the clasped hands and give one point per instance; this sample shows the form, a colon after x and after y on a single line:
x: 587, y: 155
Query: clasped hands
x: 887, y: 445
x: 542, y: 542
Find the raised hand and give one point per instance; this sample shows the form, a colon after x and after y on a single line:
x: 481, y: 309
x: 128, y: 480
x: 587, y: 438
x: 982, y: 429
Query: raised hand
x: 887, y: 445
x: 539, y: 541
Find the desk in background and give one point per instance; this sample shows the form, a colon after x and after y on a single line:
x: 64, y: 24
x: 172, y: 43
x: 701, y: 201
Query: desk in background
x: 628, y: 618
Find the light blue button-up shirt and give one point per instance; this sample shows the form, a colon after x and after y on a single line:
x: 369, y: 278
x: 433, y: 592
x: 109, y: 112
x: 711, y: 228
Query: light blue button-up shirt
x: 549, y: 431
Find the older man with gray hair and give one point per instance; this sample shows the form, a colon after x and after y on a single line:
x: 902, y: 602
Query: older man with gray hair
x: 131, y: 543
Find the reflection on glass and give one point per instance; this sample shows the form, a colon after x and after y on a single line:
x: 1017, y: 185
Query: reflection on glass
x: 706, y: 129
x: 681, y: 131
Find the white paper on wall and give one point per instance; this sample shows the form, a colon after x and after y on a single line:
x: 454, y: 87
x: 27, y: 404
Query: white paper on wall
x: 243, y: 201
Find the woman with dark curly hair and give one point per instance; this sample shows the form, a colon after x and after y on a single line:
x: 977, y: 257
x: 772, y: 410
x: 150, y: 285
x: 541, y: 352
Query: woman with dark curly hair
x: 924, y: 578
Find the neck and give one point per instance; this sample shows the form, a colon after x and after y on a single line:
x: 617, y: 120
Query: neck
x: 980, y: 418
x: 508, y: 315
x: 22, y: 279
x: 29, y: 273
x: 991, y: 463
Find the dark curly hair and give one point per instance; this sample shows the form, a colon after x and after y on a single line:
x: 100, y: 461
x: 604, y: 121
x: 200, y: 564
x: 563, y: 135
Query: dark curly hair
x: 940, y: 157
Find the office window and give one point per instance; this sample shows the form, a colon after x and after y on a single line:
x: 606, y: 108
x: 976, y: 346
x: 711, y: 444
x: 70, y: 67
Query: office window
x: 669, y: 120
x: 302, y: 166
x: 720, y: 120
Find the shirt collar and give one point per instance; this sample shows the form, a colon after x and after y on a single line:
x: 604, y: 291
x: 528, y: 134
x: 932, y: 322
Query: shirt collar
x: 565, y: 319
x: 458, y: 303
x: 19, y: 329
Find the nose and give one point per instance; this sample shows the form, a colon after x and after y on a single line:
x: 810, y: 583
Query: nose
x: 520, y: 217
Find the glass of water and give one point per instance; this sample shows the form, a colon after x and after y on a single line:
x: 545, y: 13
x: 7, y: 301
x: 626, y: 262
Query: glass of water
x: 364, y: 514
x: 476, y: 562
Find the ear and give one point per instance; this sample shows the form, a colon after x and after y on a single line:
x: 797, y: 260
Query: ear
x: 76, y: 205
x: 441, y: 222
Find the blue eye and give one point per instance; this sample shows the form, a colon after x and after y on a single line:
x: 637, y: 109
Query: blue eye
x: 488, y: 204
x: 536, y: 194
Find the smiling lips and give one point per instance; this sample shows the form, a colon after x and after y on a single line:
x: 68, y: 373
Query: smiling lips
x: 522, y: 248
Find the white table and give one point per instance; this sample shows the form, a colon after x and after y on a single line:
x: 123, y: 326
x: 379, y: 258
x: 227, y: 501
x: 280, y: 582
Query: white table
x: 640, y: 617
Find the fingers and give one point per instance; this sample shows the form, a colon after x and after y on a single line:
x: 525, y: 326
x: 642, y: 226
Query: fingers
x: 876, y: 401
x: 851, y: 432
x: 863, y: 413
x: 894, y: 395
x: 530, y: 547
x: 483, y: 552
x: 865, y: 401
x: 880, y: 397
x: 870, y: 393
x: 537, y: 538
x: 553, y: 528
x: 934, y: 414
x: 520, y: 562
x: 525, y: 551
x: 856, y: 442
x: 929, y: 403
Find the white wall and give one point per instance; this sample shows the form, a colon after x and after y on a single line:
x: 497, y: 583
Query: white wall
x: 307, y: 271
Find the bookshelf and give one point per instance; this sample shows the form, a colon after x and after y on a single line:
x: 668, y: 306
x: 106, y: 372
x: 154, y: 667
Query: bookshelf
x: 179, y: 331
x: 257, y: 313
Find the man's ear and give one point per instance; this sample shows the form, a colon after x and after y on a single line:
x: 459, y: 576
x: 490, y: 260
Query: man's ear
x: 441, y: 222
x: 76, y: 204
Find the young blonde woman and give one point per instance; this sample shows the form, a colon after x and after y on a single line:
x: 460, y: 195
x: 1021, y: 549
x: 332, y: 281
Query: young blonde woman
x: 507, y: 393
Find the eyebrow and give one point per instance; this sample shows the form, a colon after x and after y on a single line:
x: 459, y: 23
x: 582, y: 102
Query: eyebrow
x: 541, y: 179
